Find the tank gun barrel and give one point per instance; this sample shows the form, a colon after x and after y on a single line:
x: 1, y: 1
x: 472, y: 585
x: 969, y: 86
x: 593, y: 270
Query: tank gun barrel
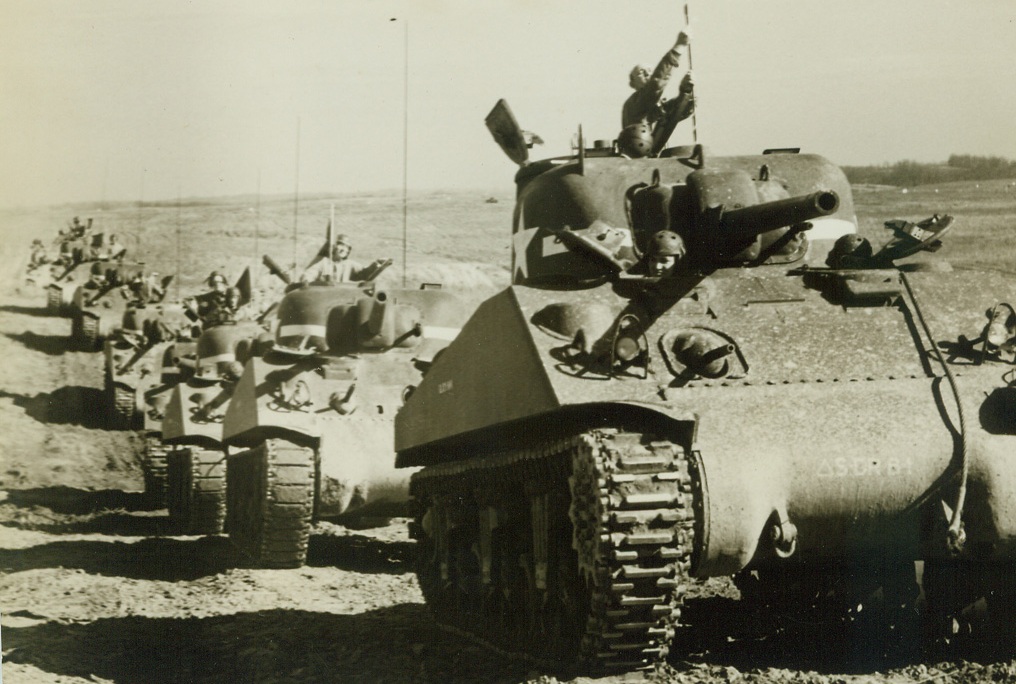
x: 276, y: 270
x: 756, y: 219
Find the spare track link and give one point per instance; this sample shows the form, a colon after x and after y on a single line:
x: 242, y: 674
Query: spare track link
x: 197, y: 490
x: 270, y: 503
x: 624, y: 546
x: 153, y: 466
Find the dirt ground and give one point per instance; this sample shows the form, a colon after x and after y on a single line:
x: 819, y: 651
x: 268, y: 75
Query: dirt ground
x: 93, y: 588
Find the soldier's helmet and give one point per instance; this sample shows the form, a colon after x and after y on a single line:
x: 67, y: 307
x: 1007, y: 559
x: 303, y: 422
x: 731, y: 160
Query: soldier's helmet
x: 666, y: 243
x: 36, y: 242
x: 636, y: 140
x: 849, y: 251
x: 215, y: 278
x: 342, y: 240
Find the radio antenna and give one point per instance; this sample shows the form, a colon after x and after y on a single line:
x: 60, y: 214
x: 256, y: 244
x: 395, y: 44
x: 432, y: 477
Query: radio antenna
x: 176, y: 277
x: 296, y: 189
x: 257, y: 233
x: 405, y: 145
x: 694, y: 122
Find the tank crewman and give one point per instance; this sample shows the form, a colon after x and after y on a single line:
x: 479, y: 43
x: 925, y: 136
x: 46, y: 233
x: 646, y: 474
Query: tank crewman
x: 666, y: 249
x: 215, y: 307
x: 97, y: 279
x: 142, y: 289
x: 115, y: 249
x: 339, y: 268
x: 38, y: 256
x: 646, y: 105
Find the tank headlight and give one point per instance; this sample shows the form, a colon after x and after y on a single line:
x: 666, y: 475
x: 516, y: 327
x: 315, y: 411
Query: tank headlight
x: 627, y: 348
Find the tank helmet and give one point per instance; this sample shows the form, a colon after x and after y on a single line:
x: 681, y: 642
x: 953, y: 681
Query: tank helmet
x: 849, y: 251
x: 36, y: 242
x: 635, y: 71
x: 666, y: 243
x: 343, y: 239
x: 215, y: 278
x: 636, y: 140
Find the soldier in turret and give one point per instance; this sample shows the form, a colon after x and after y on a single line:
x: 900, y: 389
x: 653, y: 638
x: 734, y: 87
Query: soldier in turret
x: 38, y: 257
x: 216, y: 306
x: 337, y: 267
x: 116, y: 250
x: 646, y: 106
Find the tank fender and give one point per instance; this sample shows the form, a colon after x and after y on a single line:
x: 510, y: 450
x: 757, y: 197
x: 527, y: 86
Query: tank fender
x: 254, y: 415
x: 183, y: 423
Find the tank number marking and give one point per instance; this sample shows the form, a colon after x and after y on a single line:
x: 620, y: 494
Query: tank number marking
x: 445, y: 386
x: 860, y: 466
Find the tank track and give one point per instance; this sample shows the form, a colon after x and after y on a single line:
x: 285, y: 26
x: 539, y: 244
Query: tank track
x: 270, y: 502
x: 153, y: 466
x: 54, y: 301
x: 88, y: 328
x: 592, y: 571
x: 970, y: 601
x: 123, y: 405
x: 196, y: 482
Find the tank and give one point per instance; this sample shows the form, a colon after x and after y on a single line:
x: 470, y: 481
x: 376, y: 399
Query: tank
x: 136, y: 363
x: 99, y: 305
x: 775, y: 407
x: 309, y: 426
x: 70, y: 268
x: 192, y: 427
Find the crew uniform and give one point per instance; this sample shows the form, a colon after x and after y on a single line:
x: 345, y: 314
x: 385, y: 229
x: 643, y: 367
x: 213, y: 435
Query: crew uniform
x: 645, y: 116
x: 338, y: 268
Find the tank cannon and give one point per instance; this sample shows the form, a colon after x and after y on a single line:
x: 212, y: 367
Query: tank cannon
x: 598, y: 435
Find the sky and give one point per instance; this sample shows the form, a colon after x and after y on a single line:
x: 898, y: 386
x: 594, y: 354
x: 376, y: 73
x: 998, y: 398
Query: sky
x: 120, y: 100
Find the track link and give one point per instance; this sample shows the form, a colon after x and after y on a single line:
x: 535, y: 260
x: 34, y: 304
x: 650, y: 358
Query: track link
x: 571, y: 551
x: 270, y: 503
x: 196, y: 481
x: 153, y: 466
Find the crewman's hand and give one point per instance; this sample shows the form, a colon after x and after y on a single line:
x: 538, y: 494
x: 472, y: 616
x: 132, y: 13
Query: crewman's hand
x: 687, y: 84
x: 683, y: 38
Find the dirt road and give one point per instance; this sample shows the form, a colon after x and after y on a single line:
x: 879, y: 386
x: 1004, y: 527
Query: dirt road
x: 93, y: 588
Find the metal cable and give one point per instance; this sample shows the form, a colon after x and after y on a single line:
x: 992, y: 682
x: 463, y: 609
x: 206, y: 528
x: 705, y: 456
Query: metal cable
x: 956, y: 535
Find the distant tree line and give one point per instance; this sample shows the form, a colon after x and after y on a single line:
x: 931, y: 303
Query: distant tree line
x: 960, y: 167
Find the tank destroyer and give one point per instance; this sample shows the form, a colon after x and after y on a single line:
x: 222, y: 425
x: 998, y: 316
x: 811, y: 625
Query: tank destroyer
x: 701, y: 370
x: 309, y: 424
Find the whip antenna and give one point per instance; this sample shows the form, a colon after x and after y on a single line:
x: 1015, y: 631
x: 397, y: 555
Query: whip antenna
x: 694, y: 122
x: 405, y: 145
x: 177, y: 275
x: 296, y: 189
